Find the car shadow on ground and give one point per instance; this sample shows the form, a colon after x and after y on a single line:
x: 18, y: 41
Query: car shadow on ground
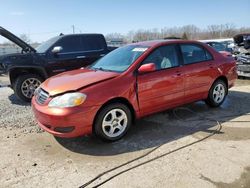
x: 164, y: 127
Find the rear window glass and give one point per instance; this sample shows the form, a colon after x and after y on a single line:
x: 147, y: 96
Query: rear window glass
x: 91, y: 43
x: 193, y: 53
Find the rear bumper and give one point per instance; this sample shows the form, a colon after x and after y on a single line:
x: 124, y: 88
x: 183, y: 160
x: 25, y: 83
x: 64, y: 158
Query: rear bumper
x: 232, y: 77
x: 67, y: 122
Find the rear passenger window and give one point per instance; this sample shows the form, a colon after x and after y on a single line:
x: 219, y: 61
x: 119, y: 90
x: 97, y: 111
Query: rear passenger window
x: 194, y: 53
x: 163, y: 57
x: 70, y: 44
x: 91, y: 43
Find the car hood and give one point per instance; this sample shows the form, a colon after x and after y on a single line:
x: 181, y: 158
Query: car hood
x: 75, y: 80
x: 26, y: 47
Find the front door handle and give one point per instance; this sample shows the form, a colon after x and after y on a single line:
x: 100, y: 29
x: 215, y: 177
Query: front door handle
x: 80, y: 57
x: 102, y: 55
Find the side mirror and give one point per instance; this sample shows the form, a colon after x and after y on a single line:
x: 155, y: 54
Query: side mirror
x: 149, y: 67
x: 56, y: 49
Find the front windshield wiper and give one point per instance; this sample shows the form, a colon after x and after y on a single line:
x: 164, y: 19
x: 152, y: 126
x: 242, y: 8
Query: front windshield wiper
x: 101, y: 69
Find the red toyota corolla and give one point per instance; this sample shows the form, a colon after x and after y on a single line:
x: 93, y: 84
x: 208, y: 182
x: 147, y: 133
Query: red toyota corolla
x: 131, y: 82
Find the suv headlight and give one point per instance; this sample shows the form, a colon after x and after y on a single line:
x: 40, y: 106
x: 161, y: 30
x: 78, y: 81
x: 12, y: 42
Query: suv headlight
x: 68, y: 100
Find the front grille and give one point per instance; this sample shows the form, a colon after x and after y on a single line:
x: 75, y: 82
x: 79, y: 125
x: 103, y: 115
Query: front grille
x: 41, y: 96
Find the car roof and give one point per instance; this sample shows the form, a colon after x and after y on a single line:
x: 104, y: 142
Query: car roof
x: 153, y: 43
x: 82, y: 34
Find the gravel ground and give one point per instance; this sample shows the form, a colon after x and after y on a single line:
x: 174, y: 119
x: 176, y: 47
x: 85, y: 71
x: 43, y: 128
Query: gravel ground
x: 15, y: 114
x: 176, y: 158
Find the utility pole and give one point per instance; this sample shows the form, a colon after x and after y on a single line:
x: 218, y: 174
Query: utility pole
x: 73, y: 27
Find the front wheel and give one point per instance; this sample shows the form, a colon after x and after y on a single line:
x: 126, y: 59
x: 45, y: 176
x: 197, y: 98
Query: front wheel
x: 25, y: 85
x: 217, y: 94
x: 113, y: 122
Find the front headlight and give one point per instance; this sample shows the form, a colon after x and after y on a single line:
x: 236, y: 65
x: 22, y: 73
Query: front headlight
x: 68, y: 100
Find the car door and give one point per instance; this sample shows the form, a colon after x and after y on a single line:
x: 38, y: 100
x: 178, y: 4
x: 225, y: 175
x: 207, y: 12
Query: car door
x: 199, y: 71
x: 70, y: 57
x: 164, y: 87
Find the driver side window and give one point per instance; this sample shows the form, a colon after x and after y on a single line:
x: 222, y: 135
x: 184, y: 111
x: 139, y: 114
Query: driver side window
x: 70, y: 44
x: 163, y: 57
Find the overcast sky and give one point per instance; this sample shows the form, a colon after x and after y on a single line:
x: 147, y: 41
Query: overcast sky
x: 44, y: 19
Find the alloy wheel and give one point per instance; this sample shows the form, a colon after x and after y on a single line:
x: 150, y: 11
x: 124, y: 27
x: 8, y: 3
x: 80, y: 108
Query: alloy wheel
x: 29, y: 86
x: 114, y: 123
x: 218, y: 93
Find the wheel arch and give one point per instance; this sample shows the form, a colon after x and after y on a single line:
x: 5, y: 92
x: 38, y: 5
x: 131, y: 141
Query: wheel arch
x: 121, y: 100
x: 17, y: 71
x: 223, y: 78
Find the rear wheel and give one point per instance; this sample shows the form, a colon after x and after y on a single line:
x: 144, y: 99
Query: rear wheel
x: 217, y: 93
x: 113, y: 122
x: 25, y: 85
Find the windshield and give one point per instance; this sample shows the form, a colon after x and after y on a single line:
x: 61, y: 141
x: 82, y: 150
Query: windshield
x: 46, y: 45
x: 120, y: 59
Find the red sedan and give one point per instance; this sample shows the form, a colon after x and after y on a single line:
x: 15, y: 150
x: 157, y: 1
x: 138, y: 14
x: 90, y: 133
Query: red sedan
x: 131, y: 82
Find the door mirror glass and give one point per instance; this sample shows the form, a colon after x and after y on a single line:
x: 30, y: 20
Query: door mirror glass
x: 149, y: 67
x: 57, y: 49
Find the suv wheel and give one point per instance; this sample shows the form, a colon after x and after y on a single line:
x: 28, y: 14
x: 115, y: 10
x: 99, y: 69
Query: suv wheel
x: 217, y: 94
x: 113, y: 122
x: 25, y: 86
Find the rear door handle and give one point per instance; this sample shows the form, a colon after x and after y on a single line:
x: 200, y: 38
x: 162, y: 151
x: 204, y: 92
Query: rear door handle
x: 211, y: 65
x: 178, y: 73
x: 102, y: 55
x: 80, y: 57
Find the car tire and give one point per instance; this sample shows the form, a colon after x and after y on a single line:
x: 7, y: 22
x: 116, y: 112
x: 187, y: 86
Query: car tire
x: 25, y: 85
x: 217, y: 93
x: 113, y: 122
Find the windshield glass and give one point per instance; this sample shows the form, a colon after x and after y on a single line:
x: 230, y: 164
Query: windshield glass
x: 120, y: 59
x: 46, y: 45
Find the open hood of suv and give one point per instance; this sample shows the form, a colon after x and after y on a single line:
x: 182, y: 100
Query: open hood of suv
x: 26, y: 47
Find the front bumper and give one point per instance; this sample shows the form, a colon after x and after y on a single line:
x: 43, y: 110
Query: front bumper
x: 77, y: 120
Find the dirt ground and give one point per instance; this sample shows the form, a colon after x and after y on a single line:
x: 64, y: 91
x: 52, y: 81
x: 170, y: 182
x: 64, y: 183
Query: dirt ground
x: 188, y: 147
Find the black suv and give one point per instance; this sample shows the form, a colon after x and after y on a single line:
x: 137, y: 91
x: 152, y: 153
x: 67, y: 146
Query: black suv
x: 30, y: 67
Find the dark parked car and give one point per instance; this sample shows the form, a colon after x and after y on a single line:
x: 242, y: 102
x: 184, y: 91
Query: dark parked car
x: 29, y: 68
x: 242, y: 54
